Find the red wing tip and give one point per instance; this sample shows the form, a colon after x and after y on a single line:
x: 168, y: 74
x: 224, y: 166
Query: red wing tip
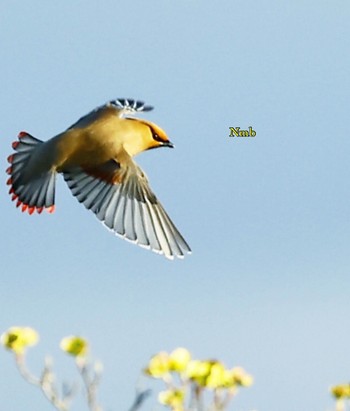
x: 22, y: 134
x: 25, y: 207
x: 10, y: 158
x: 50, y: 209
x: 32, y: 209
x: 9, y: 181
x: 9, y: 170
x: 15, y: 144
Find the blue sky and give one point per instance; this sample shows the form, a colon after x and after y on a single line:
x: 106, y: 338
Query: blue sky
x: 267, y: 285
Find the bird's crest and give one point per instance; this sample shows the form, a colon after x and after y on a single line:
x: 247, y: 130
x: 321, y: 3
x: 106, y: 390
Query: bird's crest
x: 130, y: 105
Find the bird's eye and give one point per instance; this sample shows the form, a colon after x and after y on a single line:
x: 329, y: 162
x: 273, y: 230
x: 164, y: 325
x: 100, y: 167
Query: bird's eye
x: 157, y: 138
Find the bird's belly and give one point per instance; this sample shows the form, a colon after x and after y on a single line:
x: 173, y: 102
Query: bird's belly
x: 84, y: 149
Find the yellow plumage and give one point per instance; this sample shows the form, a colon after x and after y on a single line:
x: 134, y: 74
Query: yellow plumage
x: 95, y: 157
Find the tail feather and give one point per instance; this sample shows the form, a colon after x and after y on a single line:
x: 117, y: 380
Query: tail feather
x: 33, y: 194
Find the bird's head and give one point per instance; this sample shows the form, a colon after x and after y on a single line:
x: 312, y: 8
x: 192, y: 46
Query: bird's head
x: 156, y: 137
x: 145, y: 135
x: 152, y: 136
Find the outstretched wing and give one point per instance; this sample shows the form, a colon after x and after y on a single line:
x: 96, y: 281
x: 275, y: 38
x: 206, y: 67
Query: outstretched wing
x: 119, y: 107
x: 122, y: 199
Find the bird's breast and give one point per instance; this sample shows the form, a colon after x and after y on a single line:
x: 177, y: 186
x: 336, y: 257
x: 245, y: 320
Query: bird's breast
x: 99, y: 142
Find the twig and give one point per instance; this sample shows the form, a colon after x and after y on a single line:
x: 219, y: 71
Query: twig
x: 45, y: 383
x: 140, y: 399
x: 90, y: 382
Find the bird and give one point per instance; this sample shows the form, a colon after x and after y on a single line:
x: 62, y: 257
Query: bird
x: 95, y: 157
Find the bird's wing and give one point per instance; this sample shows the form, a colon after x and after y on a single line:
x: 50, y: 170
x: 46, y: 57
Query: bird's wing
x: 119, y: 107
x: 122, y: 199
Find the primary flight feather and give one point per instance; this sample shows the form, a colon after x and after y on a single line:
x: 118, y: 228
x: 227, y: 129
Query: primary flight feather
x: 95, y: 157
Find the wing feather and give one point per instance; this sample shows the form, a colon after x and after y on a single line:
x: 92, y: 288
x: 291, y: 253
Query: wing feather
x: 129, y: 208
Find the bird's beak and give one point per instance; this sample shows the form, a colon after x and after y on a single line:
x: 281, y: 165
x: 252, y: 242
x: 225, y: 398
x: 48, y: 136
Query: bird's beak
x: 168, y: 144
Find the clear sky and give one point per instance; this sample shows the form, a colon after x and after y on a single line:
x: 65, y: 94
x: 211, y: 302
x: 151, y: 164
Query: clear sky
x: 267, y: 286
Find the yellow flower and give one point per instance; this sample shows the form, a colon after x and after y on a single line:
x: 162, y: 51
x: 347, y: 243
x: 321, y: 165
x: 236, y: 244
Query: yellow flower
x: 217, y: 376
x: 173, y: 398
x: 241, y: 378
x: 228, y: 380
x: 198, y: 371
x: 213, y: 374
x: 73, y: 345
x: 163, y: 363
x: 159, y: 365
x: 179, y: 359
x: 341, y: 391
x: 17, y: 339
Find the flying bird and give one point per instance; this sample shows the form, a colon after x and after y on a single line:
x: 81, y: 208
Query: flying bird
x: 95, y: 157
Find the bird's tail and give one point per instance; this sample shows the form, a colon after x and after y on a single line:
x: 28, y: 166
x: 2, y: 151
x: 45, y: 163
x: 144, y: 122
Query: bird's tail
x: 32, y: 191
